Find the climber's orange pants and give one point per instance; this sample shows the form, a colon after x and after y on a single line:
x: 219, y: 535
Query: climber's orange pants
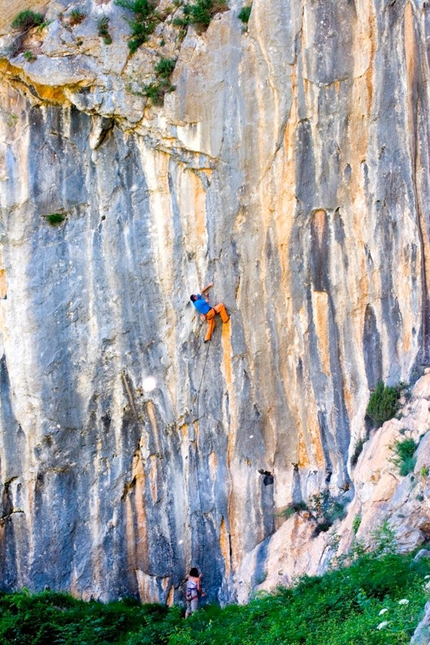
x: 210, y: 317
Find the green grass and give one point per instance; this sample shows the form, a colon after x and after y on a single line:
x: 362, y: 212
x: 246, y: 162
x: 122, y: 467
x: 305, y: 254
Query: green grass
x: 383, y: 403
x: 341, y: 608
x: 27, y: 19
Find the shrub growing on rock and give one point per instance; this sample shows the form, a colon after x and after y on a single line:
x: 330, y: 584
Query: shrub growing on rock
x: 404, y: 459
x: 383, y: 404
x: 200, y: 13
x: 157, y: 90
x: 294, y: 507
x: 27, y: 19
x: 165, y: 67
x: 245, y: 14
x: 55, y: 218
x: 143, y: 23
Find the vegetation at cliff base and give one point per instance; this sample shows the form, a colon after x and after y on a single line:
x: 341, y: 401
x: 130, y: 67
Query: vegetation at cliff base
x: 378, y: 600
x: 383, y: 403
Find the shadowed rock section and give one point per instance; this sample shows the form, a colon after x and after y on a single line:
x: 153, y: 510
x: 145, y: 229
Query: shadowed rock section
x: 289, y: 166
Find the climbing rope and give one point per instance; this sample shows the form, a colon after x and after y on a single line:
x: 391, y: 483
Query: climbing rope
x: 201, y: 538
x: 197, y: 397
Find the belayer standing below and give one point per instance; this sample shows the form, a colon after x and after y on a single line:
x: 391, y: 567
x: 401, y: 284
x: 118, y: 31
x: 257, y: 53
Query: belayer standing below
x: 207, y: 312
x: 194, y: 591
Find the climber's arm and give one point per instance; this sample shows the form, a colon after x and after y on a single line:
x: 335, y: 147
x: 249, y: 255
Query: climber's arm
x: 205, y: 289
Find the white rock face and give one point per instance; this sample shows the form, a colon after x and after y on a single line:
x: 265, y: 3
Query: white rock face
x: 289, y: 166
x: 380, y: 496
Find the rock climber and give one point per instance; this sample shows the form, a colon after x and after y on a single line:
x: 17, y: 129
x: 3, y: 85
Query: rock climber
x: 207, y: 312
x: 194, y: 591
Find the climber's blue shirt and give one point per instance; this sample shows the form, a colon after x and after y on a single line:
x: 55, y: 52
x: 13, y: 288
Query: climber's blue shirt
x: 201, y: 305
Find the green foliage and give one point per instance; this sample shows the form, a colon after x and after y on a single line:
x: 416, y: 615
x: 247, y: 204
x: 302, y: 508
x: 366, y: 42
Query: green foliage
x: 404, y: 459
x: 76, y: 17
x: 383, y: 403
x: 28, y: 55
x: 245, y: 14
x: 424, y: 472
x: 325, y: 510
x: 384, y: 541
x: 103, y: 30
x: 55, y: 218
x: 165, y: 67
x: 42, y: 25
x: 356, y: 524
x: 143, y: 23
x: 294, y: 507
x: 322, y: 508
x: 27, y: 19
x: 357, y: 451
x: 340, y: 608
x: 157, y: 90
x: 200, y: 13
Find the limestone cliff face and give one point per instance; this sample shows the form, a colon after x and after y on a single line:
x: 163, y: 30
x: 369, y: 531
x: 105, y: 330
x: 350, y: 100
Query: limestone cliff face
x: 289, y: 166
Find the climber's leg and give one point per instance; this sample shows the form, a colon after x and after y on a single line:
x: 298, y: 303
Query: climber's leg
x: 210, y: 317
x: 220, y: 309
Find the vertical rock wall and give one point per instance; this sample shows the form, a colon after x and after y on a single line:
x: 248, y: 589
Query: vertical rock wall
x: 289, y: 166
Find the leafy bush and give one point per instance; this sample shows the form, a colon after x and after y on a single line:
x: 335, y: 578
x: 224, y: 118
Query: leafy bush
x: 143, y: 23
x: 165, y: 67
x: 294, y: 507
x: 27, y: 19
x: 55, y: 218
x: 245, y: 14
x: 28, y: 55
x: 325, y: 510
x: 200, y: 13
x: 383, y: 403
x: 404, y: 459
x: 157, y: 90
x: 322, y: 508
x: 103, y: 30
